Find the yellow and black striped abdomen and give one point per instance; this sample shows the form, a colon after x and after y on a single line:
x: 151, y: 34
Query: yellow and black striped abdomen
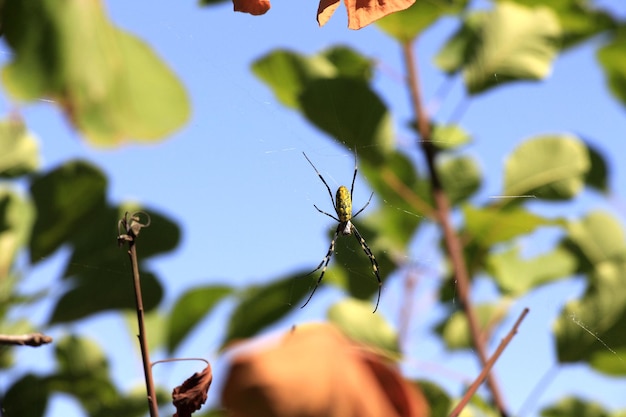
x: 344, y: 204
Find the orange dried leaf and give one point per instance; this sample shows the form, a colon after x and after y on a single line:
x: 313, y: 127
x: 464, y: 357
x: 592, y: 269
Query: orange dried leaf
x: 190, y: 396
x: 361, y: 12
x: 316, y: 371
x: 254, y: 7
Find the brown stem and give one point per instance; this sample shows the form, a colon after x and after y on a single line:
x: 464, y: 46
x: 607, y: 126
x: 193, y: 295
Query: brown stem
x: 451, y: 240
x: 487, y: 368
x: 143, y: 339
x: 32, y: 339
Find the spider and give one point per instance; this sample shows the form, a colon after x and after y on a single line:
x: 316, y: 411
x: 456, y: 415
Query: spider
x: 343, y: 209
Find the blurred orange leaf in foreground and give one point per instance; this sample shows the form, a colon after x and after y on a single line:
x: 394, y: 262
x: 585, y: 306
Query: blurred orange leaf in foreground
x: 316, y: 371
x: 254, y: 7
x: 361, y: 12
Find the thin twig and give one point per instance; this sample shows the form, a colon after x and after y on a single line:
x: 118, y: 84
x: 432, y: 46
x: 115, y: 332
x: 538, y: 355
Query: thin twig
x: 33, y: 339
x: 132, y: 227
x: 487, y: 368
x: 451, y: 240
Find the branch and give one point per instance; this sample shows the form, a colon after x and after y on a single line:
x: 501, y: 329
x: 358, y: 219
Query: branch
x: 33, y: 339
x: 133, y: 226
x: 492, y: 361
x: 451, y: 240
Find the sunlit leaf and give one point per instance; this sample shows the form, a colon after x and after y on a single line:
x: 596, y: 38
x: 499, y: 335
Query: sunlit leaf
x: 599, y: 237
x: 449, y: 136
x: 16, y: 220
x: 19, y: 151
x: 360, y: 13
x: 548, y: 167
x: 515, y: 43
x: 355, y: 319
x: 573, y: 406
x: 405, y: 25
x: 455, y: 329
x: 110, y: 84
x: 349, y: 63
x: 459, y: 49
x: 190, y: 309
x: 516, y: 276
x: 492, y: 225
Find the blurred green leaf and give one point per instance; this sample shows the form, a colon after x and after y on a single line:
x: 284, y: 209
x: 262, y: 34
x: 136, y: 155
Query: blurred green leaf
x: 514, y: 43
x: 460, y: 177
x: 110, y: 84
x: 609, y: 362
x: 597, y: 176
x: 190, y: 309
x: 355, y: 319
x: 66, y: 199
x: 438, y: 400
x: 449, y: 137
x: 17, y: 216
x: 491, y: 225
x: 19, y: 150
x: 459, y: 49
x: 261, y: 306
x: 349, y: 111
x: 104, y: 291
x: 574, y: 407
x: 599, y: 237
x: 579, y: 20
x: 516, y: 276
x: 28, y: 396
x: 613, y: 60
x: 349, y: 63
x: 548, y: 167
x: 454, y: 330
x: 406, y: 24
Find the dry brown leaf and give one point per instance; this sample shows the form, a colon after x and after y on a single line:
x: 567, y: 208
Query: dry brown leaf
x: 254, y: 7
x: 190, y: 396
x: 315, y: 371
x: 361, y: 12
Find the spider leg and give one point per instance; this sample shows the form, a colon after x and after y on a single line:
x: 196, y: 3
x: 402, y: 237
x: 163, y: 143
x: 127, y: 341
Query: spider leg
x: 328, y: 214
x: 324, y: 262
x: 370, y: 255
x: 363, y: 208
x: 354, y: 176
x: 321, y: 178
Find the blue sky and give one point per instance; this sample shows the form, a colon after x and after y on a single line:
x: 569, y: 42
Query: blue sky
x: 235, y: 180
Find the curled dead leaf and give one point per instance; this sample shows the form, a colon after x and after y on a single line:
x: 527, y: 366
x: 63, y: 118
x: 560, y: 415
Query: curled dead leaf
x: 190, y: 396
x: 315, y: 371
x: 361, y: 12
x: 254, y: 7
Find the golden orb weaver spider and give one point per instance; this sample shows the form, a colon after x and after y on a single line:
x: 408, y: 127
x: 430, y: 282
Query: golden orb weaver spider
x: 343, y: 208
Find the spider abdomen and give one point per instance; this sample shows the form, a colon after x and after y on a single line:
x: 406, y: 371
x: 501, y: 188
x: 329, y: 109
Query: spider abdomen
x: 344, y: 204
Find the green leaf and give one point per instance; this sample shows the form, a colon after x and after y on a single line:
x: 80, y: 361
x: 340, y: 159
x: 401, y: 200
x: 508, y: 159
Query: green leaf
x: 406, y: 24
x: 447, y: 137
x: 573, y: 406
x: 460, y: 177
x: 105, y: 291
x: 516, y: 276
x: 349, y: 63
x: 613, y: 61
x: 349, y: 111
x: 548, y: 167
x: 16, y: 220
x: 491, y: 225
x: 438, y: 400
x: 459, y: 49
x: 514, y: 43
x: 455, y: 330
x: 80, y: 357
x: 579, y: 20
x: 355, y: 319
x: 19, y: 151
x: 287, y: 73
x: 599, y: 237
x: 609, y: 362
x: 110, y: 84
x: 190, y: 309
x: 28, y: 396
x: 261, y: 306
x: 65, y: 198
